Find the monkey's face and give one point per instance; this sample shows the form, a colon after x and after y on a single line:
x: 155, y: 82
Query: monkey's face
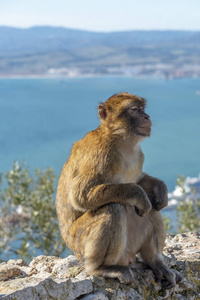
x: 124, y: 114
x: 139, y: 121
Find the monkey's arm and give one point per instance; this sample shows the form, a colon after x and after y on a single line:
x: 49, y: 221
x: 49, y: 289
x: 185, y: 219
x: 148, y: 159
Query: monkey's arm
x: 126, y: 194
x: 156, y: 191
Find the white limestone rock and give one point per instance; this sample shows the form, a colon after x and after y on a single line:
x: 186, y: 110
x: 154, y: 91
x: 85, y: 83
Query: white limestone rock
x: 49, y: 277
x: 37, y: 289
x: 95, y: 296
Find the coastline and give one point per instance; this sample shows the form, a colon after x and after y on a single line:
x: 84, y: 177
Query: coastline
x: 92, y: 75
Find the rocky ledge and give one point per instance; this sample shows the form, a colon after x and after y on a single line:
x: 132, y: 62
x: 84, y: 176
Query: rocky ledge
x: 49, y: 277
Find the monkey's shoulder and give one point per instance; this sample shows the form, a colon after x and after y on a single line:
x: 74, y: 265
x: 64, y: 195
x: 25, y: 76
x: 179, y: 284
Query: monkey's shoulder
x: 92, y: 145
x: 93, y: 153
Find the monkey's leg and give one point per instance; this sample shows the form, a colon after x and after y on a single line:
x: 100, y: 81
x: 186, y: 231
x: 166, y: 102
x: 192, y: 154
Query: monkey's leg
x: 103, y: 241
x: 151, y: 253
x: 155, y: 262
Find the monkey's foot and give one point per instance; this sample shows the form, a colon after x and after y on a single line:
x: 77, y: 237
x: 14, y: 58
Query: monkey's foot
x: 167, y: 277
x: 171, y: 282
x: 124, y: 274
x: 127, y: 276
x: 179, y: 277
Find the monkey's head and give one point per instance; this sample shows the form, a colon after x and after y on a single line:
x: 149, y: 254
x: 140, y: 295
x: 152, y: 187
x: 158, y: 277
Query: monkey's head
x: 123, y: 114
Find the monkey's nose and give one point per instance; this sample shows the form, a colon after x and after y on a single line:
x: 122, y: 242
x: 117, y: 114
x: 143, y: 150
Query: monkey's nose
x: 147, y: 121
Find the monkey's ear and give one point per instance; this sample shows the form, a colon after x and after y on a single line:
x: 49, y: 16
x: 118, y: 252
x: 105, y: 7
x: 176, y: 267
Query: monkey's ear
x: 102, y: 111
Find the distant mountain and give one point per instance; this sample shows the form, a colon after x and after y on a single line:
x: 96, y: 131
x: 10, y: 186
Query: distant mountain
x: 15, y: 40
x: 57, y: 50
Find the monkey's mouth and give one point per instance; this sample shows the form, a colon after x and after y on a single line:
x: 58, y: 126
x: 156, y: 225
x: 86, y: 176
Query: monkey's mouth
x: 145, y: 127
x: 144, y: 130
x: 146, y: 124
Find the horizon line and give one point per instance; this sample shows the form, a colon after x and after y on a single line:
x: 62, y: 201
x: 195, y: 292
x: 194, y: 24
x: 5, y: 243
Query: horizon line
x: 94, y: 31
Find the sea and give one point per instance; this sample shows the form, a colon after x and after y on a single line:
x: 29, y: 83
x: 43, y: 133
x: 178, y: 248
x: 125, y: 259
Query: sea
x: 41, y: 118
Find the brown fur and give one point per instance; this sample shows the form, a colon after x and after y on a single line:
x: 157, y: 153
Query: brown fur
x: 108, y: 209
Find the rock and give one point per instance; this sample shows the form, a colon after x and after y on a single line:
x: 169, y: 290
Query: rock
x: 17, y: 262
x: 128, y: 295
x: 68, y: 267
x: 50, y: 277
x: 44, y: 263
x: 184, y: 251
x: 96, y: 296
x: 39, y: 288
x: 8, y: 271
x: 43, y: 274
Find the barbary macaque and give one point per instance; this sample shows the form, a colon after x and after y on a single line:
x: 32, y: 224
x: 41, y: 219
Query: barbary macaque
x: 108, y: 208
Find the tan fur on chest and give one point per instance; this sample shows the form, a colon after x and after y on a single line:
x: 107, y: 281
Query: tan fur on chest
x: 131, y: 162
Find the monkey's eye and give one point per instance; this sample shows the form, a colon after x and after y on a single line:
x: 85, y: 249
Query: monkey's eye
x: 137, y: 109
x: 134, y: 108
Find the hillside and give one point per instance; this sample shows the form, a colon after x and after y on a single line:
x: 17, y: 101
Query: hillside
x: 53, y: 51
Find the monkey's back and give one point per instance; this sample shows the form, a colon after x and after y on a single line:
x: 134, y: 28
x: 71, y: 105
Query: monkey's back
x: 89, y: 165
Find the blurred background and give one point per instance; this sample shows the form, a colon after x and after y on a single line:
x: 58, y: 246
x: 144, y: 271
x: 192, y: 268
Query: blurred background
x: 58, y: 61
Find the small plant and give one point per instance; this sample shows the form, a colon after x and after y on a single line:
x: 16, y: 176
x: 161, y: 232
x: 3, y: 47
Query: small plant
x: 188, y: 209
x: 28, y: 220
x: 167, y: 223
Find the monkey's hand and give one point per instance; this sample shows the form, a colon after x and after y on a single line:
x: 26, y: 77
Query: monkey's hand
x: 156, y: 191
x: 159, y: 199
x: 141, y: 202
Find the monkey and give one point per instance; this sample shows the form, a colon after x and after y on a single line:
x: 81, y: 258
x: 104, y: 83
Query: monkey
x: 108, y: 208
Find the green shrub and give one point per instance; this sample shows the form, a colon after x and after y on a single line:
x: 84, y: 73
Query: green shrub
x: 167, y: 223
x: 28, y: 220
x: 188, y: 209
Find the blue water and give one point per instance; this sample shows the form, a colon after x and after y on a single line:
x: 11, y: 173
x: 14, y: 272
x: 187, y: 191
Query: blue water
x: 40, y: 119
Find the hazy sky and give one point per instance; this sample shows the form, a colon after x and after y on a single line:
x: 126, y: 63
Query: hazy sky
x: 102, y: 15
